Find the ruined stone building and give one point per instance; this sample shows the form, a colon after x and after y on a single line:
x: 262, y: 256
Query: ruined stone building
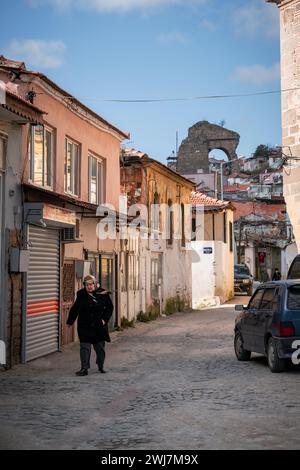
x: 193, y: 155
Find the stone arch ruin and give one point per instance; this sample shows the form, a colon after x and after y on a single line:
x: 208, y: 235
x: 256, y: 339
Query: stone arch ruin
x: 203, y: 137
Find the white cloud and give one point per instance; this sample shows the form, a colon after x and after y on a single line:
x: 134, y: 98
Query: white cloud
x: 257, y: 74
x: 257, y: 18
x: 209, y: 25
x: 111, y: 5
x: 172, y: 37
x: 38, y: 53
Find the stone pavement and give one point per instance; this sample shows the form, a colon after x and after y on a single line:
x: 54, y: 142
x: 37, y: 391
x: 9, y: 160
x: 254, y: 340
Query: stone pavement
x: 172, y: 384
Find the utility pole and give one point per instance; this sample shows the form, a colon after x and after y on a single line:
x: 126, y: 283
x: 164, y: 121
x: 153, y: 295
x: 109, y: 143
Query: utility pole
x: 222, y: 178
x: 222, y: 181
x: 240, y: 239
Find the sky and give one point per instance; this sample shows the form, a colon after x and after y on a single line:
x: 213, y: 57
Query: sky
x: 105, y: 50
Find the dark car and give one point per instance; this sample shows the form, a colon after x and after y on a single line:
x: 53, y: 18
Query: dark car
x: 294, y: 271
x: 270, y: 324
x: 243, y: 280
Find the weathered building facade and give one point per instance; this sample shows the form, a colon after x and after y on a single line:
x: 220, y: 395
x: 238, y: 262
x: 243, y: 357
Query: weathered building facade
x: 15, y: 113
x: 212, y: 251
x: 290, y: 83
x: 67, y: 163
x: 164, y: 255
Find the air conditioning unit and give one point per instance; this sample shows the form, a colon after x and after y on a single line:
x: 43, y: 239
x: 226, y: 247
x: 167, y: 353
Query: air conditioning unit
x: 71, y: 235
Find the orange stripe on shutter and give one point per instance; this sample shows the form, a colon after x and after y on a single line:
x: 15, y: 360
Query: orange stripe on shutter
x: 43, y: 307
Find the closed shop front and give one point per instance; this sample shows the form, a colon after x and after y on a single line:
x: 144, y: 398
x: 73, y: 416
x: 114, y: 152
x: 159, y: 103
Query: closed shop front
x: 43, y: 292
x: 43, y: 313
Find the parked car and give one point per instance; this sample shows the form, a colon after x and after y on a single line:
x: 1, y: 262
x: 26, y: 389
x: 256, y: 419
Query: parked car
x: 294, y: 271
x: 243, y: 280
x: 270, y: 324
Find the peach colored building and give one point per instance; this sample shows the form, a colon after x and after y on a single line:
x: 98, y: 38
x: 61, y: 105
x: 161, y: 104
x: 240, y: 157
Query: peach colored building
x: 70, y: 167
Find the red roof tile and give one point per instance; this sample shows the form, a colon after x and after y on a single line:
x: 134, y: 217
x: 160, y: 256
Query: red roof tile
x: 203, y: 199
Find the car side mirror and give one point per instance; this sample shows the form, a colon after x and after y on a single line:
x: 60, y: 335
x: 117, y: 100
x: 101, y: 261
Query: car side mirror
x: 239, y: 308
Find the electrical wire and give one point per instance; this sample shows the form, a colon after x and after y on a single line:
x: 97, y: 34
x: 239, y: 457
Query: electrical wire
x: 194, y: 98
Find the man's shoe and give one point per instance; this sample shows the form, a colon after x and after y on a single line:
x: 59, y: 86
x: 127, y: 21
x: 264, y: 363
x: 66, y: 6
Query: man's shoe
x: 102, y: 371
x: 82, y: 372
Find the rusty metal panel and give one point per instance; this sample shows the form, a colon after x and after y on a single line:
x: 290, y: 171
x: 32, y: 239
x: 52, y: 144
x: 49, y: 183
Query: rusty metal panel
x: 68, y: 294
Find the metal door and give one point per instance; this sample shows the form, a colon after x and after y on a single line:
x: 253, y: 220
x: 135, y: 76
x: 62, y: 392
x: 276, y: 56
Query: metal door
x: 43, y: 280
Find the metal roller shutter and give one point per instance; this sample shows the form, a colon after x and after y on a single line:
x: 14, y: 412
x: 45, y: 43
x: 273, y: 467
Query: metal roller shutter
x: 42, y: 325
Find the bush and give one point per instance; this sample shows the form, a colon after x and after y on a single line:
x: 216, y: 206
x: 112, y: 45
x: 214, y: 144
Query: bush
x: 151, y: 314
x: 174, y: 304
x: 126, y: 323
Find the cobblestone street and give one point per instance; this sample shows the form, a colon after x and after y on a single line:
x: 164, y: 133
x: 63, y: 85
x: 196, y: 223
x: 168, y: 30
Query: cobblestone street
x: 172, y: 384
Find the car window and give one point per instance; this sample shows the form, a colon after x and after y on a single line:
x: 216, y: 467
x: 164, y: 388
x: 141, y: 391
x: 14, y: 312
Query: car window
x: 255, y: 301
x: 294, y: 298
x: 241, y: 270
x: 270, y: 300
x: 294, y: 272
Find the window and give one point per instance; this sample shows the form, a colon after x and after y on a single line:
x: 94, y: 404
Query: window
x: 2, y: 153
x: 95, y: 180
x: 182, y: 226
x: 225, y: 226
x: 124, y: 271
x: 155, y: 217
x: 133, y: 272
x: 156, y: 275
x: 255, y: 302
x: 294, y: 298
x: 41, y: 152
x: 72, y: 168
x: 231, y: 236
x: 170, y: 223
x: 194, y: 227
x: 154, y: 279
x: 270, y: 300
x: 106, y: 272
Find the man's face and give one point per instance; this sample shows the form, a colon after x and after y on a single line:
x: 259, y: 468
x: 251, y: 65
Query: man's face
x: 90, y: 287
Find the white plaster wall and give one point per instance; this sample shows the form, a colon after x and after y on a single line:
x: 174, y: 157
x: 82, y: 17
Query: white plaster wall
x: 250, y: 258
x: 203, y: 275
x: 177, y: 276
x: 287, y: 257
x: 224, y: 262
x: 212, y: 274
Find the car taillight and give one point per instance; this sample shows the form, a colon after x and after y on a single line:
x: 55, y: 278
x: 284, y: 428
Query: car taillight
x: 286, y: 329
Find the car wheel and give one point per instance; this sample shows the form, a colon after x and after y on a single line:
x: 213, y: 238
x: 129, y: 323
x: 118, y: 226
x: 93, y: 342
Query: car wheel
x: 274, y: 362
x: 241, y: 353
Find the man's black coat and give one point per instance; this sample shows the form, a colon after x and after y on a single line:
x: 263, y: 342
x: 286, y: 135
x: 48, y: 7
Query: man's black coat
x: 91, y: 310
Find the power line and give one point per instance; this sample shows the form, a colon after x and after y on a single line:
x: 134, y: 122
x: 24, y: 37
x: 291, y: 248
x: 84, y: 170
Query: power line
x: 195, y: 98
